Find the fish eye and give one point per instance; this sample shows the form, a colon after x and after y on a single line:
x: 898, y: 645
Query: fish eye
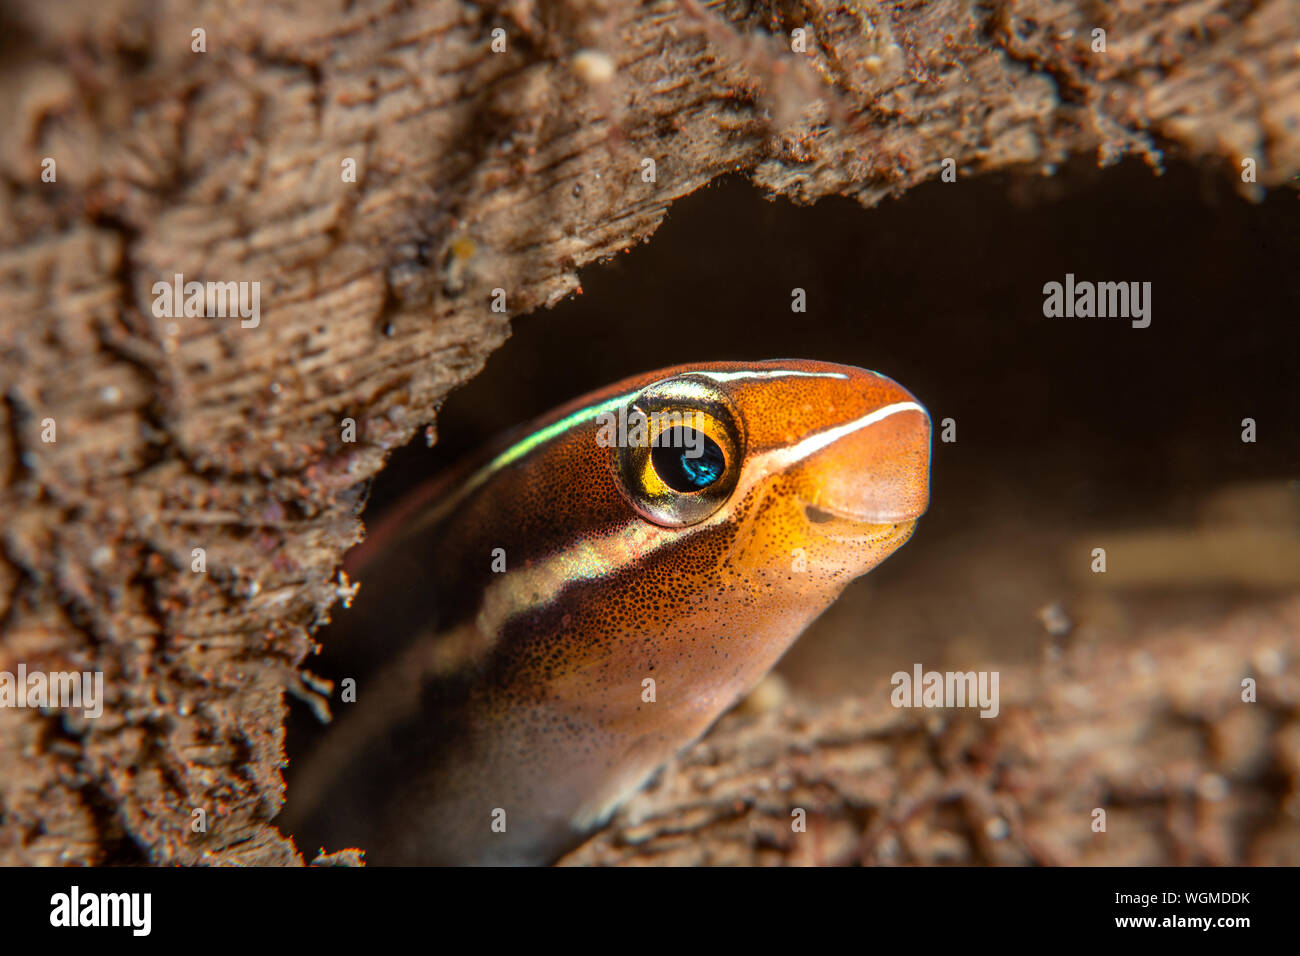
x: 683, y: 451
x: 687, y: 459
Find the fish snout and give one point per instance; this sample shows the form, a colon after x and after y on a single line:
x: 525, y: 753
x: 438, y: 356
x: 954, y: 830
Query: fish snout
x: 878, y: 473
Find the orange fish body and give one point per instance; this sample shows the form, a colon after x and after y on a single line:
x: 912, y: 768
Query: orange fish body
x: 578, y: 603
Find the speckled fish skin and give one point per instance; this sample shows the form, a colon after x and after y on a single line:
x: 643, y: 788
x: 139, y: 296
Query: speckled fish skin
x: 522, y: 691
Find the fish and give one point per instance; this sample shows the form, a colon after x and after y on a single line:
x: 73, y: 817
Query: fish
x: 541, y: 628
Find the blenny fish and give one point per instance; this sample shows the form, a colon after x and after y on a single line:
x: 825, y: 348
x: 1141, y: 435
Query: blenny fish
x: 541, y: 629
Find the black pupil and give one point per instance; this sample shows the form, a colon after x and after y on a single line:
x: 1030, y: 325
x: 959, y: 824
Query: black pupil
x: 687, y: 459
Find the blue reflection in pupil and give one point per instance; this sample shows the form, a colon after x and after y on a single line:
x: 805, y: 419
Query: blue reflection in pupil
x: 706, y: 469
x: 688, y: 460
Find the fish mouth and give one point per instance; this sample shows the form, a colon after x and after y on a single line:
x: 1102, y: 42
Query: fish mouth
x: 858, y: 530
x: 823, y: 513
x: 877, y: 475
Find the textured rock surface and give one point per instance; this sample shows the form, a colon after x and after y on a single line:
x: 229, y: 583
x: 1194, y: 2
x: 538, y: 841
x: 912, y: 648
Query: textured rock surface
x: 1155, y: 734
